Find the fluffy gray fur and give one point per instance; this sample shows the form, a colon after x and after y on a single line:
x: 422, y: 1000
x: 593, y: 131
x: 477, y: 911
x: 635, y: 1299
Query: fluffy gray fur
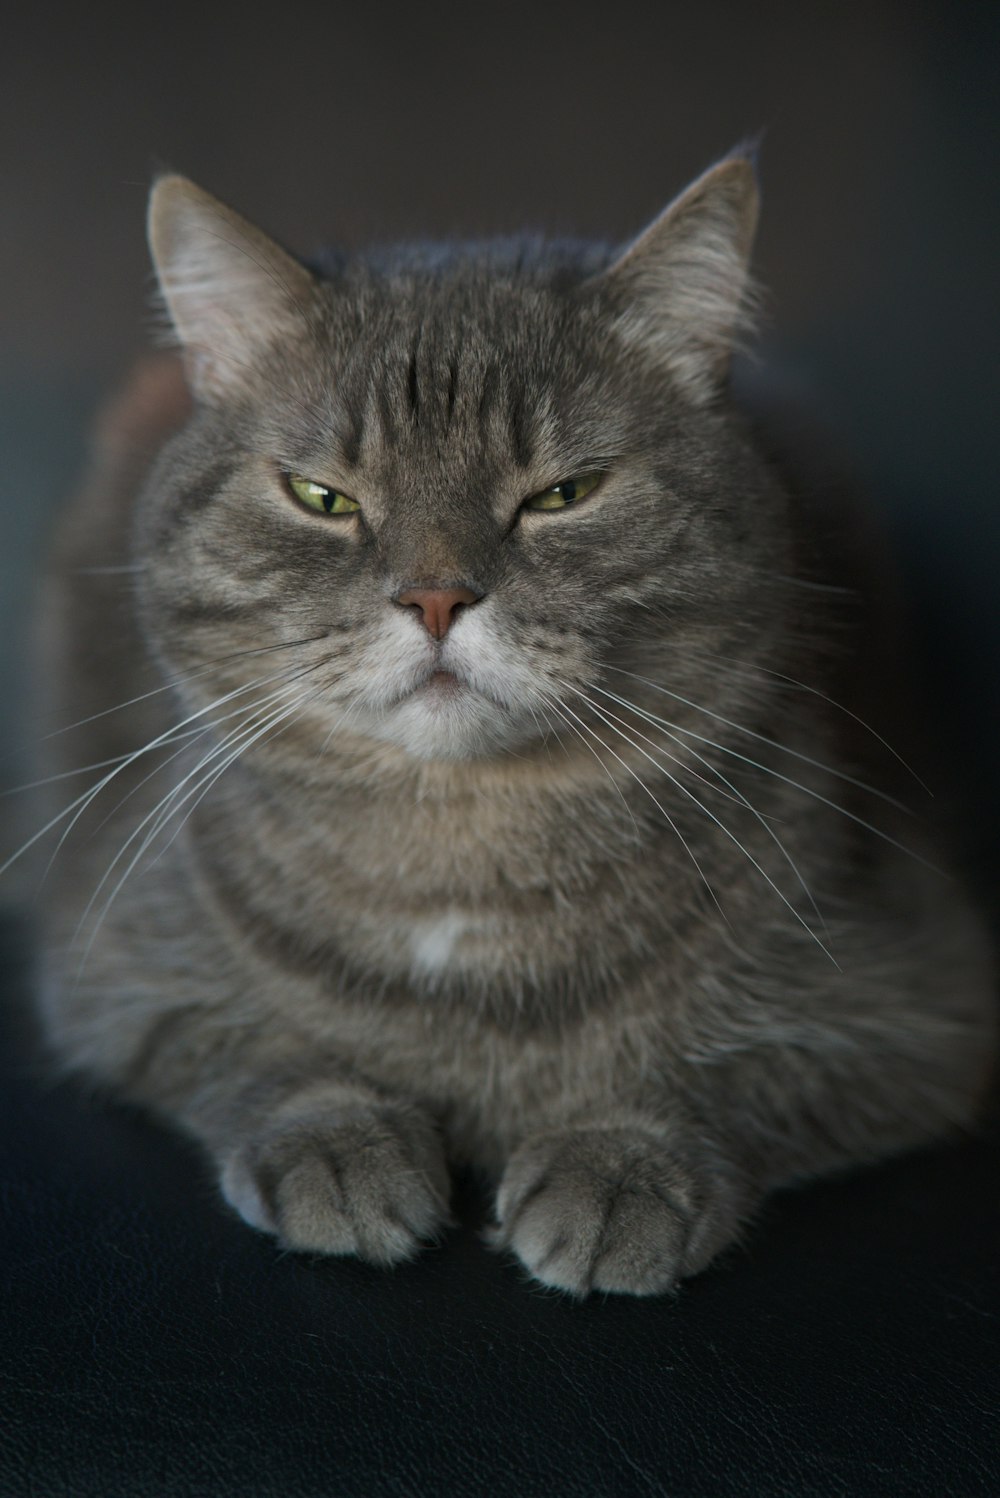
x: 602, y: 892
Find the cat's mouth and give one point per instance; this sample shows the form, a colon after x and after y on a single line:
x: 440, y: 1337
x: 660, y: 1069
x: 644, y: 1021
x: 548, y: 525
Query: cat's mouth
x: 443, y: 684
x: 445, y: 688
x: 437, y: 687
x: 448, y: 713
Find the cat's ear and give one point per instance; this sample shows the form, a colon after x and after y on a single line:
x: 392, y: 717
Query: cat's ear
x: 683, y: 287
x: 228, y: 289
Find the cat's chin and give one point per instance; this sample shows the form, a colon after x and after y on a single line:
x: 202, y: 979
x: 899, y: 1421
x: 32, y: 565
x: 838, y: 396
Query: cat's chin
x: 444, y: 718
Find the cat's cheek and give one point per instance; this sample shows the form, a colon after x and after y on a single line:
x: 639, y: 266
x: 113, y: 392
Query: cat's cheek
x: 480, y: 651
x: 398, y: 657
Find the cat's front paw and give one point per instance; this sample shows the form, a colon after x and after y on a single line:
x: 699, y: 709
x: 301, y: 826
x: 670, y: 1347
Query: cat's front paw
x: 609, y: 1209
x: 370, y: 1182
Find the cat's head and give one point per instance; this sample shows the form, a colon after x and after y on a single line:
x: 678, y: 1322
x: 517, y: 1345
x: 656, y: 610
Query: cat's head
x: 431, y: 496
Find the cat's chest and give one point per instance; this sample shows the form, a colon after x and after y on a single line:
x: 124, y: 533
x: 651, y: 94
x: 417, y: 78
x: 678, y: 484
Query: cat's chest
x: 458, y: 937
x: 444, y: 942
x: 423, y: 894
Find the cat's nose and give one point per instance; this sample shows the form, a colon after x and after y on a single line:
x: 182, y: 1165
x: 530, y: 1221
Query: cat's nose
x: 438, y: 606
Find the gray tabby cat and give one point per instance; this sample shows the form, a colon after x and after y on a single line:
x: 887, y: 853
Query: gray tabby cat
x: 490, y: 788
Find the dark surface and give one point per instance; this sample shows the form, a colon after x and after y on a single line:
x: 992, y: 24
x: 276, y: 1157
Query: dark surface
x: 151, y: 1344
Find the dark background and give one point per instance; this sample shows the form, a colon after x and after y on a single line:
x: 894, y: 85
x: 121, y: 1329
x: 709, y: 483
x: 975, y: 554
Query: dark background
x: 880, y: 241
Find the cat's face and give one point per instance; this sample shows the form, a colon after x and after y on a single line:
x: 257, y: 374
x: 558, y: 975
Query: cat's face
x: 430, y: 500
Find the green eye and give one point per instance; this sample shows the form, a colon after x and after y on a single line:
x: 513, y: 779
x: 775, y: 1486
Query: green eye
x: 318, y: 497
x: 560, y: 496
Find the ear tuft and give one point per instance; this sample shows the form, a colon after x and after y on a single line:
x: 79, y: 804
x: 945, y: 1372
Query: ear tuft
x: 683, y: 287
x: 229, y: 291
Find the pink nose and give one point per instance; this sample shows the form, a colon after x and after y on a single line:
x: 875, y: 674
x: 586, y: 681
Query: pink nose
x: 437, y: 605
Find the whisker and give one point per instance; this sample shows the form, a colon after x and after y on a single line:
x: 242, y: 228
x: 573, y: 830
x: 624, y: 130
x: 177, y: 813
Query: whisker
x: 720, y: 824
x: 662, y: 810
x: 243, y: 710
x: 763, y: 738
x: 552, y: 703
x: 173, y: 681
x: 806, y: 582
x: 131, y: 568
x: 259, y: 727
x: 736, y: 796
x: 552, y: 732
x: 272, y: 705
x: 730, y: 795
x: 351, y: 707
x: 832, y: 702
x: 786, y: 779
x: 101, y: 764
x: 171, y: 803
x: 77, y: 808
x: 167, y: 739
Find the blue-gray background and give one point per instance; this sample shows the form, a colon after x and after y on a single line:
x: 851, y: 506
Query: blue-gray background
x: 880, y: 241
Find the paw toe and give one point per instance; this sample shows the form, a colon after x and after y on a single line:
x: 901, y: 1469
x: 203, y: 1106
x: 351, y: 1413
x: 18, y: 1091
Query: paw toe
x: 600, y: 1210
x: 351, y: 1186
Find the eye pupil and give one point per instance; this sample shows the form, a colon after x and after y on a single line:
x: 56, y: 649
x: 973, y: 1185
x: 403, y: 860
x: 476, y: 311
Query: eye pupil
x: 320, y: 498
x: 567, y: 492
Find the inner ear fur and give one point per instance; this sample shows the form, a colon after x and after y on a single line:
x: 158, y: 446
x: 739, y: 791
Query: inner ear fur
x: 683, y: 288
x: 229, y: 290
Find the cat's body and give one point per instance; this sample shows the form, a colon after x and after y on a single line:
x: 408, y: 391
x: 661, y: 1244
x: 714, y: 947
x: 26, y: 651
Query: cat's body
x: 539, y: 843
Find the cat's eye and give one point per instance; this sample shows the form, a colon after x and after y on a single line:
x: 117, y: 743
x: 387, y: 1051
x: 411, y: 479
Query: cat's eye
x: 560, y: 496
x: 319, y: 498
